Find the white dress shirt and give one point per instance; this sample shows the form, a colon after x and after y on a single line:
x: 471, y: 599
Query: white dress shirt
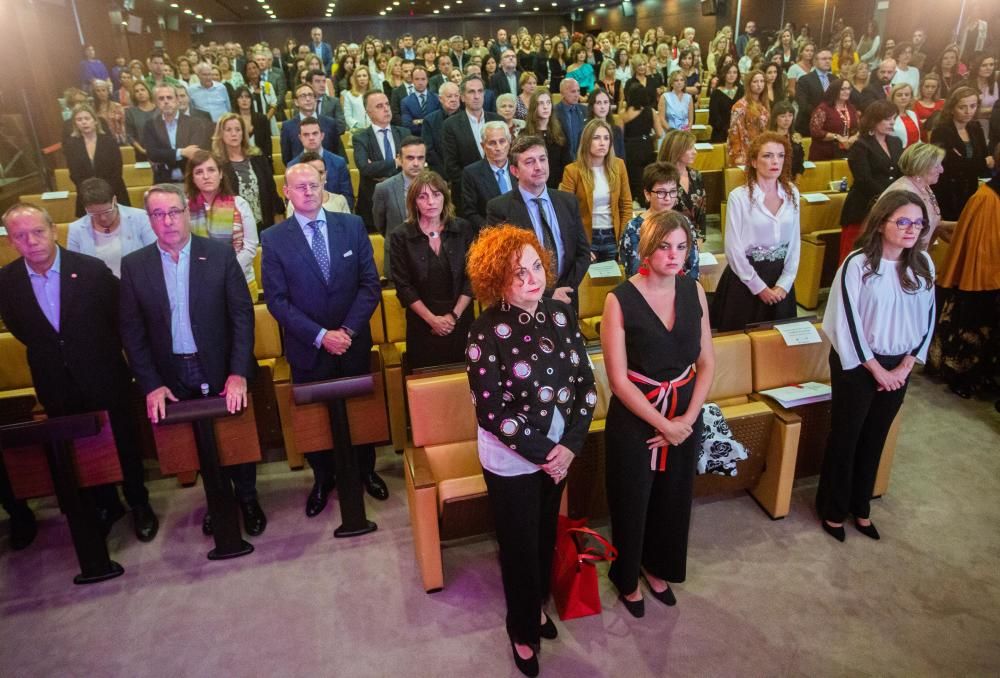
x: 751, y: 225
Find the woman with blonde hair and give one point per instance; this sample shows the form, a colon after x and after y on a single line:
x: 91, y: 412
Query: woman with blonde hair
x: 921, y: 166
x: 353, y: 99
x: 90, y: 152
x: 676, y: 107
x: 393, y: 75
x: 246, y: 169
x: 747, y: 118
x: 844, y: 55
x: 111, y: 112
x: 526, y: 84
x: 906, y: 126
x: 599, y: 181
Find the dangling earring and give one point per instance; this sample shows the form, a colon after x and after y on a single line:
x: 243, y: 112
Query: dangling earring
x: 644, y: 267
x: 504, y: 306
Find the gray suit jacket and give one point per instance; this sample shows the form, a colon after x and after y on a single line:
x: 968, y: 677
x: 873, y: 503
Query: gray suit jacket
x: 389, y: 210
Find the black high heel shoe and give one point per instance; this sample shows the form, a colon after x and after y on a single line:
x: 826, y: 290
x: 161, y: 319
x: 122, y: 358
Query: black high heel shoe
x: 548, y: 630
x: 528, y: 667
x: 837, y: 533
x: 867, y: 530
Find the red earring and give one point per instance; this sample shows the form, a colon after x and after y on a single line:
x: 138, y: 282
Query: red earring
x: 643, y: 268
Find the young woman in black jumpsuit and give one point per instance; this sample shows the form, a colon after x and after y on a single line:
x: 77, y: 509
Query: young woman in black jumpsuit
x: 658, y: 352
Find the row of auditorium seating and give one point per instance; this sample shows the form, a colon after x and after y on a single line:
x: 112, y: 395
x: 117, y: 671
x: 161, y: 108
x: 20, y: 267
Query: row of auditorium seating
x: 444, y: 482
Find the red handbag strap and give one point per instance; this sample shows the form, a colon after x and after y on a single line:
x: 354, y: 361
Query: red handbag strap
x: 608, y: 553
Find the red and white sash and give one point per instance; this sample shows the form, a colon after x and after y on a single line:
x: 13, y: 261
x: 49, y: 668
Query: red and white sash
x: 664, y: 398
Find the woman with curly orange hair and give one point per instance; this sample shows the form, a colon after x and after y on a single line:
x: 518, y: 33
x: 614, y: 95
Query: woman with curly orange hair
x: 534, y: 394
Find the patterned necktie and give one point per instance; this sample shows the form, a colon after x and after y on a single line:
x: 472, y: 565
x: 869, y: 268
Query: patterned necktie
x: 548, y: 241
x: 502, y: 181
x: 386, y: 146
x: 320, y: 250
x: 420, y: 98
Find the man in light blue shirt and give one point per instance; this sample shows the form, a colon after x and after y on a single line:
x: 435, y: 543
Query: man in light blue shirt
x: 208, y: 95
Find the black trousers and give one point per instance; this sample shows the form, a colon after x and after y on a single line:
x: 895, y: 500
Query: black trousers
x: 526, y: 511
x: 650, y: 511
x: 191, y: 376
x: 352, y: 363
x: 861, y: 417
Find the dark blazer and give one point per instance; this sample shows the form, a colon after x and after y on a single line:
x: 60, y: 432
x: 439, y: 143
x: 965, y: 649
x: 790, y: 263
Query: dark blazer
x: 459, y: 62
x: 460, y: 147
x: 388, y: 213
x: 304, y: 303
x: 994, y: 135
x: 291, y: 146
x: 270, y: 202
x: 960, y: 178
x: 432, y: 134
x: 396, y: 103
x: 557, y: 72
x: 260, y: 130
x: 411, y: 110
x: 563, y: 111
x: 330, y: 107
x: 510, y: 208
x: 373, y: 167
x: 222, y: 316
x: 199, y: 115
x: 808, y: 94
x: 873, y: 171
x: 87, y: 346
x: 499, y: 84
x: 479, y: 186
x: 162, y: 155
x: 324, y: 52
x: 411, y: 267
x: 107, y: 165
x: 873, y: 92
x: 541, y: 67
x: 720, y: 108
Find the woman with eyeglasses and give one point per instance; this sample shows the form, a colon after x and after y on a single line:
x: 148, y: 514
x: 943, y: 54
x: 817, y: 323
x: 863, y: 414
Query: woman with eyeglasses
x: 107, y: 230
x: 879, y: 318
x: 834, y: 122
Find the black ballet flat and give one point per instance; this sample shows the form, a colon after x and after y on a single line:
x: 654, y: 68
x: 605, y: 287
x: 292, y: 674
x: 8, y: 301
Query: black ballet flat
x: 548, y: 630
x: 867, y: 530
x: 961, y: 390
x: 837, y: 533
x: 636, y: 608
x: 666, y: 597
x: 529, y: 666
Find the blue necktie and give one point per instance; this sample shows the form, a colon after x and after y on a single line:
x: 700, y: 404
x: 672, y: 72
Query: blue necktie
x: 386, y: 146
x: 420, y: 98
x: 502, y: 181
x: 320, y: 250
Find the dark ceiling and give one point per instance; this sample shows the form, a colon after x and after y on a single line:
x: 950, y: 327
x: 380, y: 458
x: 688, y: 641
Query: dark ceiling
x: 253, y: 11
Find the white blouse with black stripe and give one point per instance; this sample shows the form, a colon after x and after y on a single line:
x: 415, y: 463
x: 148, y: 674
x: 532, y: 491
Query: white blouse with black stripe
x: 876, y: 315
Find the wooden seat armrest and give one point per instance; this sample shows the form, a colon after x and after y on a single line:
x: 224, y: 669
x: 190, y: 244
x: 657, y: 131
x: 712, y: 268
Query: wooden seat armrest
x: 420, y: 467
x: 782, y: 413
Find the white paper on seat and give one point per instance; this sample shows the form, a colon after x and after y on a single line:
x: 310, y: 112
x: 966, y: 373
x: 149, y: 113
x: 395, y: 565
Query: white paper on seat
x: 143, y: 165
x: 55, y: 195
x: 798, y: 334
x: 3, y: 231
x: 815, y: 197
x: 605, y: 269
x: 697, y: 127
x: 809, y: 164
x: 703, y: 146
x: 707, y: 259
x: 799, y: 394
x: 701, y: 110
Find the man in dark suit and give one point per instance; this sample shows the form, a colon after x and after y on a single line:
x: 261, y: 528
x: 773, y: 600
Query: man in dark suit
x: 63, y: 306
x: 553, y: 216
x: 187, y: 326
x: 291, y: 144
x: 397, y: 95
x: 880, y: 86
x: 444, y: 68
x: 406, y: 49
x: 329, y: 107
x: 320, y: 48
x: 432, y: 132
x: 488, y: 178
x: 375, y: 152
x: 500, y: 44
x: 461, y: 136
x: 268, y: 73
x: 416, y: 107
x: 458, y: 57
x: 571, y: 113
x: 184, y: 108
x: 505, y: 80
x: 171, y: 139
x: 389, y: 200
x: 489, y: 96
x: 322, y: 287
x: 338, y: 176
x: 809, y: 89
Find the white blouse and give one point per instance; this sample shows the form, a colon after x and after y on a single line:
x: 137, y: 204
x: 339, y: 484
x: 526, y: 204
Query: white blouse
x: 354, y: 111
x: 899, y: 129
x: 499, y: 459
x: 750, y: 225
x: 911, y: 76
x: 601, y: 212
x: 877, y: 316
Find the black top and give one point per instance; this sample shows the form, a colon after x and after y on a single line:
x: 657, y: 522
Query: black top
x: 267, y: 190
x: 720, y: 107
x: 521, y: 367
x: 653, y: 83
x: 559, y: 156
x: 557, y: 71
x: 107, y: 164
x: 873, y: 171
x: 641, y: 125
x: 962, y: 168
x: 410, y: 253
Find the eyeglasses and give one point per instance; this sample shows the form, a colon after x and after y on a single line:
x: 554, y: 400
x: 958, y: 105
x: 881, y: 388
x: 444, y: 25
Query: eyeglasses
x: 663, y: 195
x: 303, y: 188
x: 521, y: 273
x: 104, y: 213
x: 905, y: 224
x: 174, y: 213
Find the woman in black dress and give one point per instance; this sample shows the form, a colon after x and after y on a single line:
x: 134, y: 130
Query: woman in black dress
x: 642, y: 127
x: 91, y: 152
x: 428, y: 269
x: 966, y: 157
x: 720, y: 102
x: 658, y: 351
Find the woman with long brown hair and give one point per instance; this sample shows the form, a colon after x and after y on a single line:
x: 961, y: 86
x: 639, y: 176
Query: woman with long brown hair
x: 966, y: 157
x: 834, y: 123
x: 747, y: 118
x: 542, y: 123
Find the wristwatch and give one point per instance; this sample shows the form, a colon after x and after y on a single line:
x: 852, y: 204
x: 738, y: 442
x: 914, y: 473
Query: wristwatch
x: 347, y: 330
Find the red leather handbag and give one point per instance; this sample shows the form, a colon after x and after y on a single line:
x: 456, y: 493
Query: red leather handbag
x: 574, y: 577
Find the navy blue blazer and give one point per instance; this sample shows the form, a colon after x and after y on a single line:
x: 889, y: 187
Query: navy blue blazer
x: 304, y: 303
x: 410, y: 109
x: 324, y: 52
x: 290, y: 144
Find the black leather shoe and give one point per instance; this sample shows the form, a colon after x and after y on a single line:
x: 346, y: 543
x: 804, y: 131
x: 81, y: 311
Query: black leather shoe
x: 666, y: 597
x: 636, y: 608
x: 867, y: 530
x: 375, y: 486
x: 107, y: 517
x: 206, y: 524
x: 23, y: 529
x: 254, y: 520
x: 318, y: 496
x: 144, y: 522
x: 961, y: 389
x: 835, y: 532
x: 548, y: 630
x: 528, y: 667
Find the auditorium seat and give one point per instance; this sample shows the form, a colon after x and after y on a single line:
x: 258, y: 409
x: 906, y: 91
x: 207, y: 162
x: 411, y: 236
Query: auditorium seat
x: 816, y: 179
x: 350, y: 157
x: 591, y: 294
x: 17, y: 394
x: 276, y: 146
x: 775, y: 365
x: 701, y: 116
x: 60, y: 209
x: 378, y: 249
x: 62, y: 180
x: 137, y: 176
x: 128, y: 154
x: 136, y: 195
x: 702, y: 132
x: 840, y: 169
x: 394, y: 357
x: 279, y: 183
x: 355, y: 180
x: 347, y: 138
x: 714, y: 159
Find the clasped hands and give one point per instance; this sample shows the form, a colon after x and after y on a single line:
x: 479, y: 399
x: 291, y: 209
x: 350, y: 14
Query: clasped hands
x: 442, y: 325
x: 234, y: 391
x: 671, y: 432
x: 557, y: 462
x: 891, y: 380
x: 772, y: 295
x: 336, y: 342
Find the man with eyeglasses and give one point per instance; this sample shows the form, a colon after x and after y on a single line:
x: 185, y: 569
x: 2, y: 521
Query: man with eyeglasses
x: 108, y: 231
x: 322, y: 287
x: 187, y: 327
x: 63, y: 306
x: 305, y: 103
